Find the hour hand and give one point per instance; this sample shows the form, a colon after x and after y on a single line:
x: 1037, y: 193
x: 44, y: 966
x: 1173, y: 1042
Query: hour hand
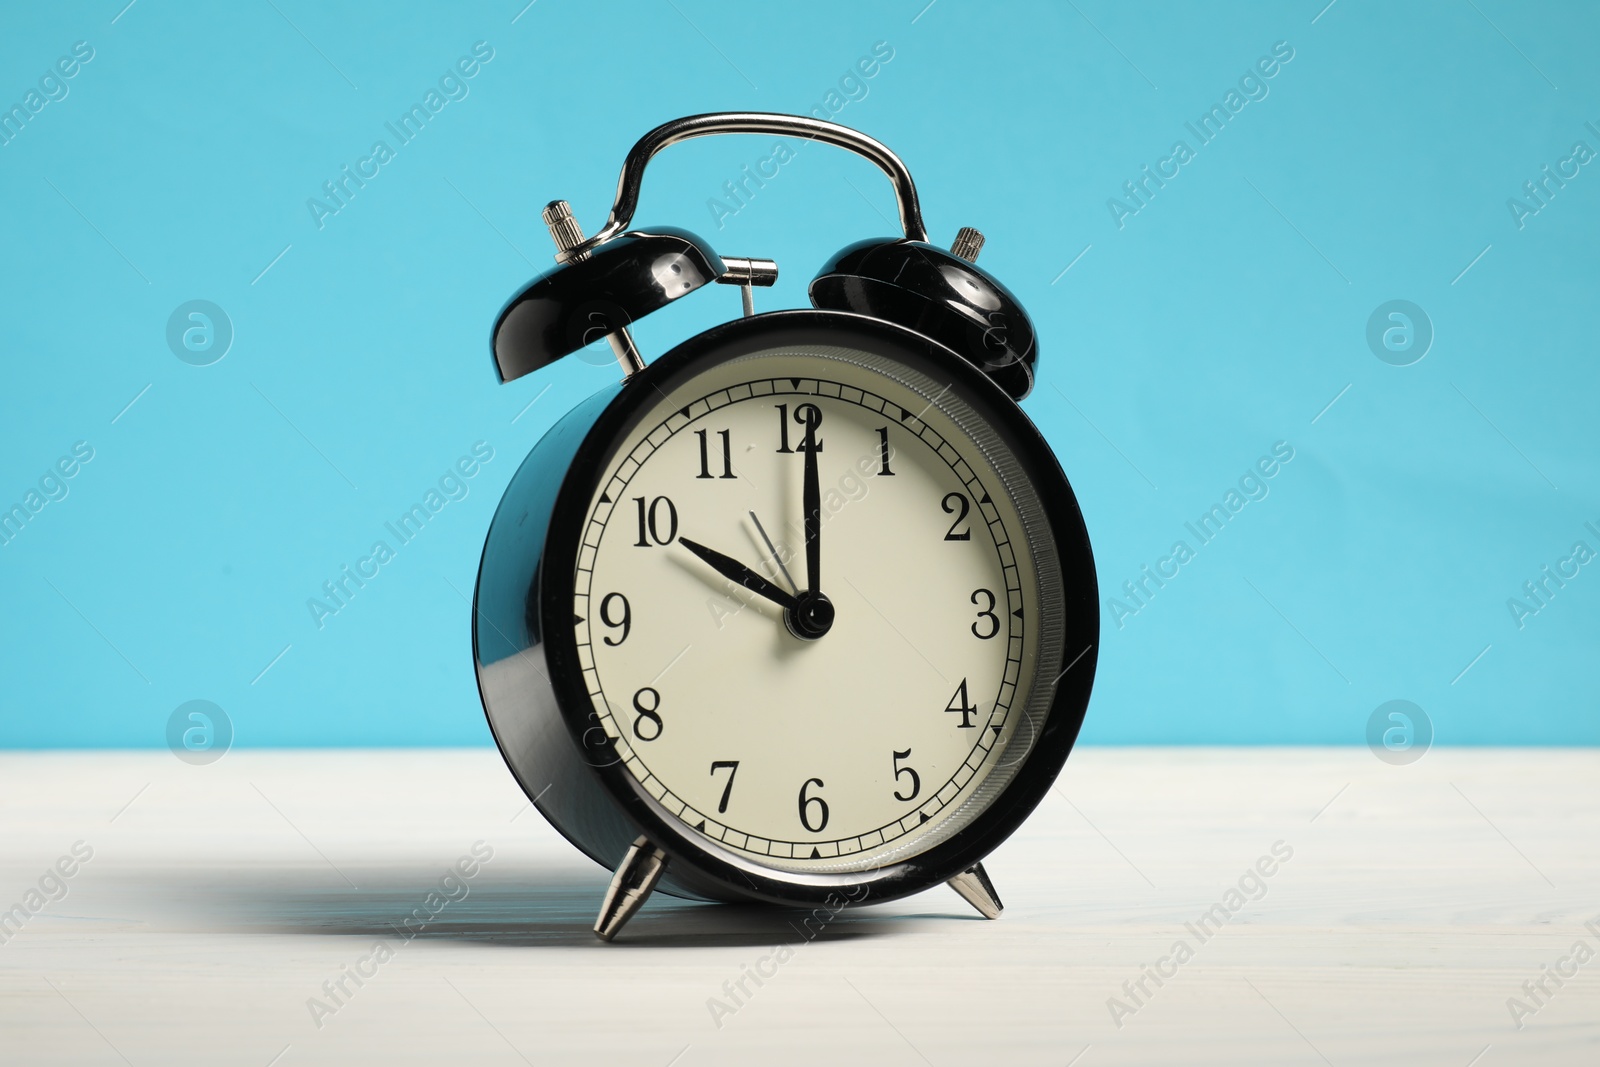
x: 735, y: 571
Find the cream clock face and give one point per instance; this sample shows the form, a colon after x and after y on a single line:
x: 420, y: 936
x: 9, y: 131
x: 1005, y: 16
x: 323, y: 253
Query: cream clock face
x: 832, y: 708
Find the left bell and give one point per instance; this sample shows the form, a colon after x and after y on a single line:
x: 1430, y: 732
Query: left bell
x: 598, y: 294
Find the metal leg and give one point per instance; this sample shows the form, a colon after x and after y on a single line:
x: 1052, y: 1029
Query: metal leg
x: 974, y: 886
x: 627, y: 353
x: 567, y: 234
x: 635, y: 879
x: 745, y: 273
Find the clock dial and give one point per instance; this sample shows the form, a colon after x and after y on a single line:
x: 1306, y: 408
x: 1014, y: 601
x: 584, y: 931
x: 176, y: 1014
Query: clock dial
x: 807, y: 606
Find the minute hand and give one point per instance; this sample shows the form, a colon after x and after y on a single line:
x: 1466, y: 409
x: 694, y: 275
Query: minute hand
x: 811, y: 504
x: 735, y: 571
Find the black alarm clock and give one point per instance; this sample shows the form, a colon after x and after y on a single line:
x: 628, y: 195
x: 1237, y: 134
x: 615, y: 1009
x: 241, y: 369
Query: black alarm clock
x: 803, y: 611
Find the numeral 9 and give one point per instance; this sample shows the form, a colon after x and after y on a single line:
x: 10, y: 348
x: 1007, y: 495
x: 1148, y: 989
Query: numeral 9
x: 626, y: 622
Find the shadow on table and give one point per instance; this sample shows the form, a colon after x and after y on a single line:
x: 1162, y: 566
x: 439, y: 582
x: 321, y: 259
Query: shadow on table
x: 513, y: 909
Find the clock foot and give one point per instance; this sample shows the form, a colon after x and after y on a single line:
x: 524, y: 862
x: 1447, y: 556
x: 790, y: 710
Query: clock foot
x: 635, y: 879
x: 974, y: 886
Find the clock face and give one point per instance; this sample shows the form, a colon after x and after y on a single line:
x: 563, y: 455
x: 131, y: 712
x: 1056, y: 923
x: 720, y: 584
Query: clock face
x: 827, y: 695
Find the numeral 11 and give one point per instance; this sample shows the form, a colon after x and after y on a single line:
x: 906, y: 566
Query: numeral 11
x: 705, y: 459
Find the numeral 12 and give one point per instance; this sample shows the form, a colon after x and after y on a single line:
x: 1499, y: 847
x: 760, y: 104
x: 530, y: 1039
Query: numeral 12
x: 807, y: 415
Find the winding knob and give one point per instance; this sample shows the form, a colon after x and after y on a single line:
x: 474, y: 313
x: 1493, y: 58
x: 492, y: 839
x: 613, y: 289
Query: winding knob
x: 968, y: 244
x: 564, y: 229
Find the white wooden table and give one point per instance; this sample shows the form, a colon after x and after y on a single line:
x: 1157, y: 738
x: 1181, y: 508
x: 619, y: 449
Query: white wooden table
x: 220, y: 899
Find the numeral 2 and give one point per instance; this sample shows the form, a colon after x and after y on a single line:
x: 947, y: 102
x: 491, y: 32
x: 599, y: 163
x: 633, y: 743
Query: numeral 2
x: 958, y: 505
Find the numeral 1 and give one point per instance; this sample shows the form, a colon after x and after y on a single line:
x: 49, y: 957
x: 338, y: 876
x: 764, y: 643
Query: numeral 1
x: 883, y: 453
x: 783, y: 428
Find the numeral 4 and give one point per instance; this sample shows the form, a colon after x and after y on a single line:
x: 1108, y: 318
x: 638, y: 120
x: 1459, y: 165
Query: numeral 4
x: 959, y: 705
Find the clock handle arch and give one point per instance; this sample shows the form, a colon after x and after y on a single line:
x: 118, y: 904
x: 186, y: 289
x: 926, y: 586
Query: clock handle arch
x: 724, y: 122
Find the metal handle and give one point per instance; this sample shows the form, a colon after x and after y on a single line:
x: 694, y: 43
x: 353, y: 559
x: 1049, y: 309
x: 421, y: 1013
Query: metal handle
x: 684, y: 129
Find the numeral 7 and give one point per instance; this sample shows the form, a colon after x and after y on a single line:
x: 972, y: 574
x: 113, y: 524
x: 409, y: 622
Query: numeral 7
x: 732, y: 767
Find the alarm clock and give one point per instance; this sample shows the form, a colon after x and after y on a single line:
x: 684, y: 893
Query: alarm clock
x: 802, y: 612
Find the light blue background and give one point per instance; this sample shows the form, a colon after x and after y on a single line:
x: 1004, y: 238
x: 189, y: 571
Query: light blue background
x: 1222, y: 318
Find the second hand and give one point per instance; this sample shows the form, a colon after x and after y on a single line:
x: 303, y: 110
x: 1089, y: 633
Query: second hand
x: 775, y: 557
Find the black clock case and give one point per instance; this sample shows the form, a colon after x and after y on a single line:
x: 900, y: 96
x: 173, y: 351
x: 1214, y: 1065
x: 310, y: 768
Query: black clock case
x: 525, y: 647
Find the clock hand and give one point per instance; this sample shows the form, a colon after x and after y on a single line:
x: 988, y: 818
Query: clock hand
x: 811, y: 504
x: 735, y: 571
x: 762, y: 530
